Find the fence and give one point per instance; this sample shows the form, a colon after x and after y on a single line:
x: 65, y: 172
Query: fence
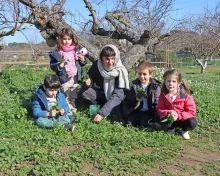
x: 27, y: 58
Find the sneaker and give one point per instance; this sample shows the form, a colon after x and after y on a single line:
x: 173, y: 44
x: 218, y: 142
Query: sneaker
x: 72, y: 128
x: 185, y: 134
x: 69, y: 127
x: 154, y: 125
x: 128, y: 124
x: 171, y: 131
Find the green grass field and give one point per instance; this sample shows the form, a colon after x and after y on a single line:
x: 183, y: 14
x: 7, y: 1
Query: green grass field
x: 107, y: 148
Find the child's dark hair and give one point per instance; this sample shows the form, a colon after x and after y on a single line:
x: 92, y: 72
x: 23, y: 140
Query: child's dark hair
x: 185, y: 88
x: 145, y: 65
x: 107, y: 52
x: 51, y: 81
x: 69, y: 32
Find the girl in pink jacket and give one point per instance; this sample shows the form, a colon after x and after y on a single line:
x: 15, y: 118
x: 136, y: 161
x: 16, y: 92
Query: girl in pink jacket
x: 176, y: 102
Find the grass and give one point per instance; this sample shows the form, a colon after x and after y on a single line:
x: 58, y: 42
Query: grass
x: 107, y: 148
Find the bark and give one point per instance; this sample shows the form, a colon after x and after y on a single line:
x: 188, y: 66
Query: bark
x: 50, y: 22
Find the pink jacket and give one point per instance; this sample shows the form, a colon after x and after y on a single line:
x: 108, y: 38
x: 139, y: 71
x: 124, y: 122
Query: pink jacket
x: 70, y: 62
x: 183, y: 105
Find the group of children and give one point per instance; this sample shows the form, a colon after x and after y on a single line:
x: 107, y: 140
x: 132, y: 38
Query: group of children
x: 145, y: 103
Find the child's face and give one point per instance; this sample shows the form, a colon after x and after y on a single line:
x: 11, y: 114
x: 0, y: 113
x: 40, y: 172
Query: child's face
x: 172, y: 83
x: 108, y: 61
x: 67, y: 41
x: 144, y: 76
x: 52, y: 93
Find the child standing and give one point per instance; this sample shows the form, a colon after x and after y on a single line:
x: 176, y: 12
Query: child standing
x: 176, y: 100
x: 67, y: 63
x: 50, y: 106
x: 141, y: 107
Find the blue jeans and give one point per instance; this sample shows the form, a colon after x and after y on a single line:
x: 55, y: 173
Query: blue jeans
x: 45, y: 122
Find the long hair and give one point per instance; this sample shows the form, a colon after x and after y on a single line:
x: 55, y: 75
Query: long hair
x: 184, y: 86
x: 69, y: 32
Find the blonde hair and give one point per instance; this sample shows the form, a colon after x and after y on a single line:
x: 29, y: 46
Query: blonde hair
x: 186, y: 87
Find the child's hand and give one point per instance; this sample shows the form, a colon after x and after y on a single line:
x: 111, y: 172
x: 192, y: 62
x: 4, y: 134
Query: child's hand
x: 174, y: 114
x: 139, y: 99
x: 88, y: 82
x: 97, y: 118
x: 81, y: 57
x: 61, y: 65
x: 52, y: 113
x: 61, y: 112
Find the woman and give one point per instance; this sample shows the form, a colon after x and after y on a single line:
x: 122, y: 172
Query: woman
x: 108, y: 78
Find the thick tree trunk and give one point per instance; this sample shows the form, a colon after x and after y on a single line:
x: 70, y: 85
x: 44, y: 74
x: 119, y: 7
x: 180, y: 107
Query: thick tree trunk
x: 50, y: 22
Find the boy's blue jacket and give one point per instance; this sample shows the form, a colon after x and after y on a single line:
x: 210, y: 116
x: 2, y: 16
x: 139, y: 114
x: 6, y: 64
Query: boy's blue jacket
x: 40, y: 107
x: 55, y: 56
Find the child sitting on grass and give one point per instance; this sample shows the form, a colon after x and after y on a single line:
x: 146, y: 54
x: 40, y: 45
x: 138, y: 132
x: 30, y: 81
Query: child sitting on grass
x: 140, y: 103
x: 50, y: 106
x: 176, y: 100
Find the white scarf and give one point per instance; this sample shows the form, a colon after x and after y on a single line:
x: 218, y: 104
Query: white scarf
x: 118, y: 70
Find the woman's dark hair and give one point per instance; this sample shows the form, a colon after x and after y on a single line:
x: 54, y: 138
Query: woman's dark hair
x: 51, y: 81
x: 107, y: 52
x: 69, y: 32
x: 185, y: 88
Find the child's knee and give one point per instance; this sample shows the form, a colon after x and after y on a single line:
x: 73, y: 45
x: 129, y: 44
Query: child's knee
x: 193, y: 123
x: 44, y: 122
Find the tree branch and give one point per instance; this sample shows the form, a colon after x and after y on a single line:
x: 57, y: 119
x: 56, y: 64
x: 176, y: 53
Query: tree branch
x: 95, y: 26
x: 28, y: 3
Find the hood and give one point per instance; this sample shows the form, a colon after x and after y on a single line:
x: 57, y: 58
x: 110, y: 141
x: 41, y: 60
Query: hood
x: 55, y: 54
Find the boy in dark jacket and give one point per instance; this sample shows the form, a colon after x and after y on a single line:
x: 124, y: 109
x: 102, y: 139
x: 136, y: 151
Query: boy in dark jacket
x: 50, y: 106
x: 140, y: 103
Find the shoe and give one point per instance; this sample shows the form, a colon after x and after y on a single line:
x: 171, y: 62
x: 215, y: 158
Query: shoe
x: 69, y: 127
x: 171, y: 131
x: 185, y: 134
x: 153, y: 124
x: 128, y: 124
x: 72, y: 128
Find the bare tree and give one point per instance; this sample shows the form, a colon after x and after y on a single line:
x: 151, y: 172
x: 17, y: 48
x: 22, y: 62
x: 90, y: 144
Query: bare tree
x: 200, y: 36
x: 141, y: 24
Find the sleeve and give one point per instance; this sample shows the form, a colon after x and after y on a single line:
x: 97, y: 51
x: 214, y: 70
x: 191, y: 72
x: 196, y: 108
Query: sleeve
x: 116, y: 98
x: 189, y: 109
x: 63, y: 103
x: 161, y: 109
x: 37, y: 110
x: 155, y: 100
x: 83, y: 63
x: 91, y: 71
x: 156, y: 96
x: 131, y: 97
x: 54, y: 65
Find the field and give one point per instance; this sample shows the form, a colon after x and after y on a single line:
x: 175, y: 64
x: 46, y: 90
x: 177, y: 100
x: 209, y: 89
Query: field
x: 108, y: 148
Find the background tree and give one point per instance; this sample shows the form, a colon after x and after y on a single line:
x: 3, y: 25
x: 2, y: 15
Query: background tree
x: 136, y: 27
x: 199, y: 36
